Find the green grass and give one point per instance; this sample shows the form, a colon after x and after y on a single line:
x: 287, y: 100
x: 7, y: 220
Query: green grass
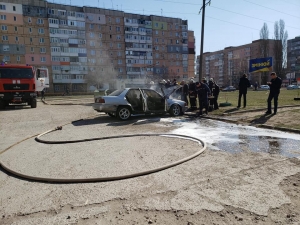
x: 257, y: 99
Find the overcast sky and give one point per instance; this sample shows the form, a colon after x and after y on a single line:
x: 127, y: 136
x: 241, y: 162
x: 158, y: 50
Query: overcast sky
x: 227, y: 22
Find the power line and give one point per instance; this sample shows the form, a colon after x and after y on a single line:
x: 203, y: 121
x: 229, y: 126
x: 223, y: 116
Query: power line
x: 214, y: 18
x: 250, y: 16
x: 185, y: 3
x: 233, y: 23
x: 271, y: 8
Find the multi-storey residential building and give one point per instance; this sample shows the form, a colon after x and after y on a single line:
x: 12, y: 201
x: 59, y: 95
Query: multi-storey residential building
x: 68, y: 47
x: 24, y: 34
x: 228, y: 65
x: 293, y: 60
x: 85, y: 47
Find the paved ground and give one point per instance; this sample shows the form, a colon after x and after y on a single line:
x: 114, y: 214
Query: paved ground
x: 217, y: 187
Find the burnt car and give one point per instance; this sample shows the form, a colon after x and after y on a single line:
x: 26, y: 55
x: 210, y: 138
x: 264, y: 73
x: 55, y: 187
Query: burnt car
x: 133, y: 101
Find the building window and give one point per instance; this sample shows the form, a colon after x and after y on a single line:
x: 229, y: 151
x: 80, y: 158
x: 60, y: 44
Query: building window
x: 18, y: 58
x: 41, y: 30
x: 4, y: 38
x: 14, y: 8
x: 6, y: 58
x: 119, y: 61
x: 5, y: 48
x: 15, y: 18
x: 29, y: 20
x: 42, y: 50
x: 43, y: 59
x: 3, y: 27
x: 118, y: 29
x: 32, y: 59
x: 16, y: 28
x: 2, y: 7
x: 119, y: 45
x: 42, y: 40
x: 40, y: 21
x: 30, y: 29
x: 2, y: 17
x: 30, y: 39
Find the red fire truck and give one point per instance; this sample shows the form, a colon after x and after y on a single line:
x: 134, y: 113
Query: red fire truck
x: 20, y: 83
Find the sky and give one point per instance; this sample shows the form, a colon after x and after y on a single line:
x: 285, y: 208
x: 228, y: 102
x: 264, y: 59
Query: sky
x: 227, y: 22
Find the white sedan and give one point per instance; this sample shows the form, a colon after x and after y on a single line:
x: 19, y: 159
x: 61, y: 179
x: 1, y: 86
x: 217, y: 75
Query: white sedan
x: 264, y: 87
x: 126, y: 102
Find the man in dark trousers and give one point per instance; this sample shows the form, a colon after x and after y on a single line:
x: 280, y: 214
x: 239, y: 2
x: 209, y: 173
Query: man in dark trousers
x: 275, y: 85
x: 43, y: 94
x: 203, y: 92
x: 192, y: 94
x: 243, y: 86
x: 215, y: 92
x: 185, y: 91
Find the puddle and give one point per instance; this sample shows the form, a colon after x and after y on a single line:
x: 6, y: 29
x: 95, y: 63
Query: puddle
x: 236, y: 138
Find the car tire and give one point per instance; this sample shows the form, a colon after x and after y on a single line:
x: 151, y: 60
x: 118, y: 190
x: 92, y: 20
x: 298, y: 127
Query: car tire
x: 2, y: 104
x: 123, y: 113
x: 175, y: 110
x: 33, y: 103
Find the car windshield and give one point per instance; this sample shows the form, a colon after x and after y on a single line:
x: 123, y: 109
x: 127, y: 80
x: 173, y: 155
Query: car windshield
x: 16, y: 73
x: 116, y: 93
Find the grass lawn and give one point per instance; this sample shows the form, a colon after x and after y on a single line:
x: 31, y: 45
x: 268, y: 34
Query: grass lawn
x: 257, y: 99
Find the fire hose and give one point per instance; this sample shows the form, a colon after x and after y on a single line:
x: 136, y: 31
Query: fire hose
x: 99, y: 179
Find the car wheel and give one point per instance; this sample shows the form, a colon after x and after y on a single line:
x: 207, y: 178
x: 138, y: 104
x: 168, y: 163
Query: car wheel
x: 123, y: 113
x: 111, y: 114
x: 175, y: 110
x: 33, y: 103
x: 2, y: 104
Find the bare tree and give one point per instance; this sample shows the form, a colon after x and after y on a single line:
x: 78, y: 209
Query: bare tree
x: 264, y: 48
x: 280, y: 47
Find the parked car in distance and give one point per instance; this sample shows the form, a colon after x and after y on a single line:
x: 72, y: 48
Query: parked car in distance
x: 229, y: 88
x: 129, y: 101
x: 264, y: 87
x: 291, y: 87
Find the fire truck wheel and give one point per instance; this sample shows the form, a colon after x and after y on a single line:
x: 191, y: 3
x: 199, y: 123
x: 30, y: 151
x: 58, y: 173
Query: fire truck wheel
x: 2, y: 104
x: 33, y: 103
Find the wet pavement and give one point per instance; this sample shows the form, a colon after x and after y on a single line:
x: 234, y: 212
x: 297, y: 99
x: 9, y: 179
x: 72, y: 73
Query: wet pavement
x: 234, y: 138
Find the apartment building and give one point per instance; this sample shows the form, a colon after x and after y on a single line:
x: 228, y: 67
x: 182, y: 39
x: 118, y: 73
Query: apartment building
x: 85, y: 48
x: 293, y: 60
x: 228, y: 65
x: 24, y: 34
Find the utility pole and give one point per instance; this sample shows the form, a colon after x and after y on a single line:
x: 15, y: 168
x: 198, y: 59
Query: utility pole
x: 202, y: 37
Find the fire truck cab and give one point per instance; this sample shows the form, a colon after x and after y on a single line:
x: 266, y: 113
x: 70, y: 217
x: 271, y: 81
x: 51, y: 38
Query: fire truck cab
x: 19, y: 84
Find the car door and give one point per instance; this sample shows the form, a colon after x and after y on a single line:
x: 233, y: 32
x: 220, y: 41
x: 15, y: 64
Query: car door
x: 135, y: 98
x: 154, y: 102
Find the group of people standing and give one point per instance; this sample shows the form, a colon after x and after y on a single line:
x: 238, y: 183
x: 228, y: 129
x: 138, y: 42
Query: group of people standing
x: 206, y: 94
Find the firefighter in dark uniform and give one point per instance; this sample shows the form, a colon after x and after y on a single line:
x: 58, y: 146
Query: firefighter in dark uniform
x: 203, y: 93
x: 192, y: 94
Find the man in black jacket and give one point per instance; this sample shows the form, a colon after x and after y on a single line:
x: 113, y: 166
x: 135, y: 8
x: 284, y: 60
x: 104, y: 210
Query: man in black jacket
x: 275, y: 85
x: 243, y: 86
x: 192, y: 94
x: 203, y: 92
